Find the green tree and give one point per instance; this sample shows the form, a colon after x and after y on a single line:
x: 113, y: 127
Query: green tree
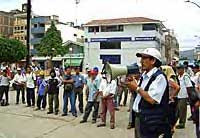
x: 12, y: 50
x: 51, y: 43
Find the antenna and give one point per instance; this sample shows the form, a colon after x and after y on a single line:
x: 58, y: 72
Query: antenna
x: 77, y: 2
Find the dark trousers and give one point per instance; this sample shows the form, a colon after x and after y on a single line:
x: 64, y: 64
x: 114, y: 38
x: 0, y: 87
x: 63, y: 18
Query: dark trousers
x: 173, y: 107
x: 166, y: 134
x: 18, y: 90
x: 4, y: 89
x: 137, y: 126
x: 41, y: 99
x: 197, y: 130
x: 79, y: 93
x: 120, y: 92
x: 88, y: 109
x: 182, y: 111
x: 132, y: 112
x: 30, y: 96
x: 53, y: 98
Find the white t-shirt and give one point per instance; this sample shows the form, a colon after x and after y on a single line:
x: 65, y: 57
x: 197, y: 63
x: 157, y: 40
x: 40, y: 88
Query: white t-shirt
x: 4, y: 81
x: 184, y: 83
x: 19, y: 78
x: 30, y: 78
x: 108, y: 88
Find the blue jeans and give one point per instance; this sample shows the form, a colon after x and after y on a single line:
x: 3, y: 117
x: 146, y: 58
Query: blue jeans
x: 71, y: 96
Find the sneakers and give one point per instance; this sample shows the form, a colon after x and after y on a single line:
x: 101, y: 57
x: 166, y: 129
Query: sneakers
x: 64, y: 114
x: 116, y: 109
x: 130, y: 126
x: 83, y: 121
x: 75, y: 115
x: 50, y: 112
x: 101, y: 125
x: 94, y: 121
x: 112, y: 127
x: 180, y: 126
x: 37, y: 109
x: 190, y: 118
x: 42, y: 109
x: 56, y: 113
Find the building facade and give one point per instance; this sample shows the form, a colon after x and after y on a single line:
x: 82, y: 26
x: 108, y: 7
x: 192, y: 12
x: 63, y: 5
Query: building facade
x: 6, y: 24
x: 171, y: 46
x: 20, y: 25
x: 39, y: 27
x: 118, y: 40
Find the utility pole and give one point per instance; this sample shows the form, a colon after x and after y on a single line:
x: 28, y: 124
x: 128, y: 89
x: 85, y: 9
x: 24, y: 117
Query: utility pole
x: 28, y: 32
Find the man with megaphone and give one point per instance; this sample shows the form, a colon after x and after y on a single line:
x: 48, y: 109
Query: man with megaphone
x: 151, y: 103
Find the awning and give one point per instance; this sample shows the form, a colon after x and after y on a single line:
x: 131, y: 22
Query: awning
x: 73, y: 62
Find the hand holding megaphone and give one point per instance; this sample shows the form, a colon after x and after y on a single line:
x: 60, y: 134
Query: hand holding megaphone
x: 131, y: 83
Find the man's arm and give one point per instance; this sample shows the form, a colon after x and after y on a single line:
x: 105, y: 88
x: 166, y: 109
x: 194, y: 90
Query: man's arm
x: 68, y: 81
x: 155, y: 92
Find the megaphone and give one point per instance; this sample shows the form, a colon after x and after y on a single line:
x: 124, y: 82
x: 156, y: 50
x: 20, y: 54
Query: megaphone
x: 112, y: 71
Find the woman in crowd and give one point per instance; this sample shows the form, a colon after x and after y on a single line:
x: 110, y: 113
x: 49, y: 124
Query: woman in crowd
x: 173, y: 92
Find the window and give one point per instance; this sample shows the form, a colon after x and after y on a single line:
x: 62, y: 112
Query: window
x: 93, y: 29
x: 112, y: 59
x: 149, y: 27
x: 42, y: 25
x: 112, y: 28
x: 22, y: 38
x: 110, y: 45
x: 35, y: 25
x: 22, y: 27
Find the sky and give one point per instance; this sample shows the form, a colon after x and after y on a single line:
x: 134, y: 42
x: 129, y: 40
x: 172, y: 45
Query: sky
x: 177, y: 15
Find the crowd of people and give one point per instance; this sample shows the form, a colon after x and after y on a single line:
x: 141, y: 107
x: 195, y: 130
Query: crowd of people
x: 159, y: 94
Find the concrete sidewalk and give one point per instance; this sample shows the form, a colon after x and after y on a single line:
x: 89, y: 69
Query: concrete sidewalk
x: 18, y: 121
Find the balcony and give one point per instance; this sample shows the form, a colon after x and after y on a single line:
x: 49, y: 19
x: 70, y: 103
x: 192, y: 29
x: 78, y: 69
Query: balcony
x: 38, y: 30
x: 35, y: 41
x: 40, y: 20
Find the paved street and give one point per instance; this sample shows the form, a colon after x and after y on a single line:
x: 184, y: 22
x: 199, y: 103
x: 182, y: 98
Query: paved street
x: 22, y: 122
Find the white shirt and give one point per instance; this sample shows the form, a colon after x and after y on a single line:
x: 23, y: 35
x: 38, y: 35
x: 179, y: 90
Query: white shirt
x: 189, y: 71
x: 30, y: 78
x: 108, y: 88
x: 196, y: 79
x: 4, y: 81
x: 156, y: 89
x: 184, y: 83
x: 19, y: 78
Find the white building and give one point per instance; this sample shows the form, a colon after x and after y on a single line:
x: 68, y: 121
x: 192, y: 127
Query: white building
x: 118, y: 40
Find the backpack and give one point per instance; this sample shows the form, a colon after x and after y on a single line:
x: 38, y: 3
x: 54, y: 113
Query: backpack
x: 192, y: 95
x: 193, y: 98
